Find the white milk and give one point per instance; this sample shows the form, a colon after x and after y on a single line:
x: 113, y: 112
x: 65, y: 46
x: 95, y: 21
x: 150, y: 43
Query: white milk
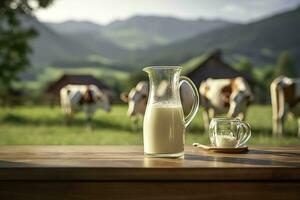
x: 226, y: 141
x: 164, y: 129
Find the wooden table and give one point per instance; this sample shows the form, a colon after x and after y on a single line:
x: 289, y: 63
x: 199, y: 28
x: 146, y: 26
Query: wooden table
x: 122, y: 172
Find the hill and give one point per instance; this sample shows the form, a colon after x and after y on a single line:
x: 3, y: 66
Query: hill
x: 84, y: 41
x: 141, y: 32
x: 51, y: 46
x: 260, y: 41
x: 167, y: 40
x: 73, y: 26
x: 89, y: 34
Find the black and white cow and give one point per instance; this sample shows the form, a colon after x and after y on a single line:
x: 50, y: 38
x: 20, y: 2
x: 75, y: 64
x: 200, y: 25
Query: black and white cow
x: 87, y: 98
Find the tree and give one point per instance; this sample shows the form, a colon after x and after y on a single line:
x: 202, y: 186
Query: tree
x: 245, y: 66
x: 14, y: 38
x: 285, y: 65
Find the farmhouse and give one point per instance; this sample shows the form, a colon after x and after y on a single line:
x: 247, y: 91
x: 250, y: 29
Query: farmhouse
x: 53, y: 89
x: 210, y: 65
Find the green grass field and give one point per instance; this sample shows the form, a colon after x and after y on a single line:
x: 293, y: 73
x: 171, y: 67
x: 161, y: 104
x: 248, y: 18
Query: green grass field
x: 45, y: 125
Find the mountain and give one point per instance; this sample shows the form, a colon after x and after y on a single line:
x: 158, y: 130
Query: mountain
x: 52, y: 46
x: 145, y: 40
x: 140, y: 32
x: 260, y: 41
x: 88, y: 34
x: 73, y: 26
x: 80, y: 41
x: 49, y: 46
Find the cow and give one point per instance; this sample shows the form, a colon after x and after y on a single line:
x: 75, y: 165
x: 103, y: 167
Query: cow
x: 138, y: 96
x: 225, y: 96
x: 137, y: 99
x: 285, y: 98
x: 88, y: 98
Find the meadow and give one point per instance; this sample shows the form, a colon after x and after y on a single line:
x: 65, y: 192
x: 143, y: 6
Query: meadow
x: 41, y: 125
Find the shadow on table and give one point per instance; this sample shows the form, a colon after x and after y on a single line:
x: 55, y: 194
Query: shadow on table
x: 12, y: 164
x: 246, y: 161
x: 276, y: 153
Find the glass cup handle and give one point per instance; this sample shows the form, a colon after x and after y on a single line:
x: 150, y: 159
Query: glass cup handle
x: 193, y: 112
x: 246, y: 133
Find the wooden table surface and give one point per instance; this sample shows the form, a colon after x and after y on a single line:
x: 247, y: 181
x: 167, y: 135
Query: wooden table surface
x: 276, y: 169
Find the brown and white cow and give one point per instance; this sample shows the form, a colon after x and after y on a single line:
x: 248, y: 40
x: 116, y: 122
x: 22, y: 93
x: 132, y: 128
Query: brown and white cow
x: 225, y: 96
x: 138, y: 96
x: 136, y: 99
x: 285, y: 96
x: 88, y: 98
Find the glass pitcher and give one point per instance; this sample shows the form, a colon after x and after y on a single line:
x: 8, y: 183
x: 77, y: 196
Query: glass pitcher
x: 164, y: 121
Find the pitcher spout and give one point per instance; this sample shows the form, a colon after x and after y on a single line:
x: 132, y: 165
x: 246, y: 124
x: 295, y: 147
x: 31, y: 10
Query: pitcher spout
x: 159, y: 68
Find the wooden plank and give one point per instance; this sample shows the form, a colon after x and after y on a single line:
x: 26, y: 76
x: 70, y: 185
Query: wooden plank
x: 149, y: 190
x: 132, y: 156
x: 128, y: 163
x: 131, y: 174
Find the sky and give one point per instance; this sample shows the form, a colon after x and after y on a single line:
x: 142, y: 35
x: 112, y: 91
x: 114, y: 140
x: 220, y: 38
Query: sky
x: 106, y: 11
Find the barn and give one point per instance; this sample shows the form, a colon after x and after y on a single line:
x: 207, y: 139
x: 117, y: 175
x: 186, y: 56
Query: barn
x: 53, y: 89
x: 210, y: 65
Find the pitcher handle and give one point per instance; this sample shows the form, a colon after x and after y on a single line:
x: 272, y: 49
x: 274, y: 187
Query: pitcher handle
x: 195, y: 107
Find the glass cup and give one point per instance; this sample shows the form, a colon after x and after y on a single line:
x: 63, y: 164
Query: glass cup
x: 228, y: 133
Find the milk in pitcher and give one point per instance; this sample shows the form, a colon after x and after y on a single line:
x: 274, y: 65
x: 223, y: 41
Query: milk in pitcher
x: 164, y: 129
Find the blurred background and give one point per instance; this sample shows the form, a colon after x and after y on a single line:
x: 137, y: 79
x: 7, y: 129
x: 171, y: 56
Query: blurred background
x: 47, y: 44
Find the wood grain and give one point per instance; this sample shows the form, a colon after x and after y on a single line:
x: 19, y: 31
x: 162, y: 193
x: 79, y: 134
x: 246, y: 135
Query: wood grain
x: 122, y: 172
x: 104, y: 163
